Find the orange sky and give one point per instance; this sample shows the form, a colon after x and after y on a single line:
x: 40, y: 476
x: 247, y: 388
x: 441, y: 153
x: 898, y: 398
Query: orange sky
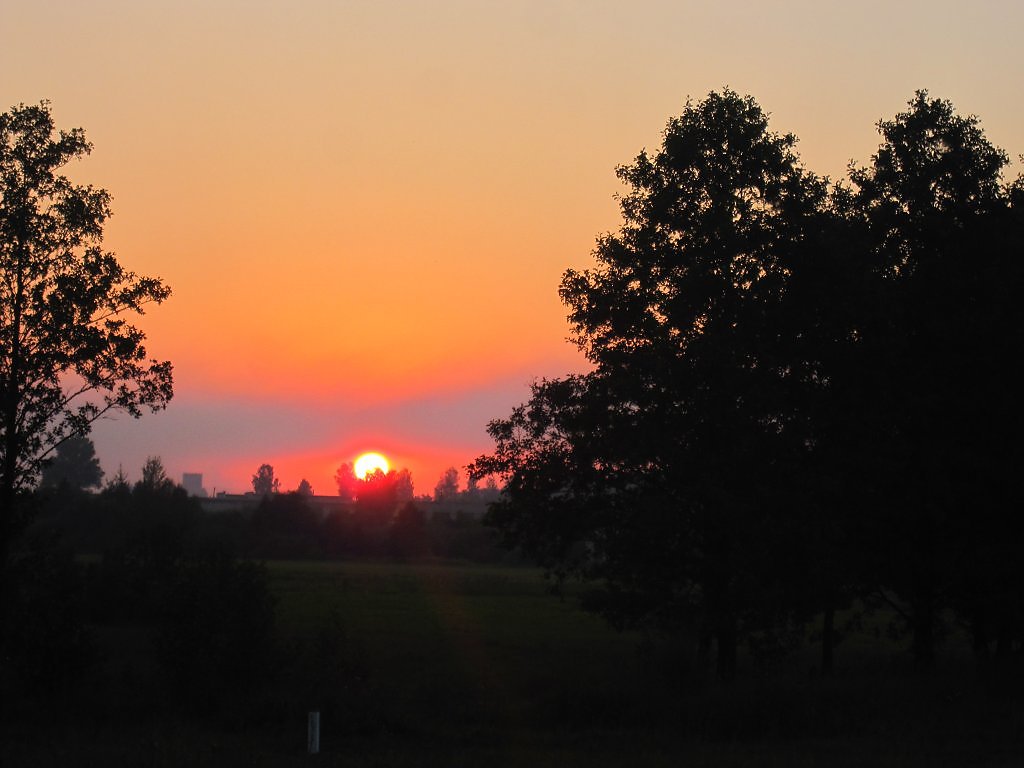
x: 364, y: 208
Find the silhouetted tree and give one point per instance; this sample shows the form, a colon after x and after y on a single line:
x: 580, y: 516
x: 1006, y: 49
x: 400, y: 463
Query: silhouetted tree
x: 154, y: 477
x: 304, y: 489
x: 263, y: 482
x: 74, y: 464
x: 657, y: 473
x: 403, y: 485
x: 142, y: 533
x: 447, y: 487
x: 377, y: 494
x: 347, y: 481
x: 943, y: 249
x: 118, y: 483
x: 68, y: 354
x: 798, y: 394
x: 472, y: 492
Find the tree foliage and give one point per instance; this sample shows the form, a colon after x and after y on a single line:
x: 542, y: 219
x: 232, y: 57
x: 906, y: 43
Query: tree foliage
x: 787, y: 376
x: 68, y: 353
x: 378, y: 491
x: 348, y: 483
x: 447, y: 487
x: 74, y: 464
x: 154, y: 476
x: 942, y: 238
x: 263, y: 482
x: 656, y: 472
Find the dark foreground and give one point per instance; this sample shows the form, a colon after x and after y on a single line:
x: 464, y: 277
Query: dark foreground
x: 454, y: 665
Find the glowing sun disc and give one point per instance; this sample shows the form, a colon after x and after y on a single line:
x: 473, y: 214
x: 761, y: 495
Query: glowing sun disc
x: 369, y: 463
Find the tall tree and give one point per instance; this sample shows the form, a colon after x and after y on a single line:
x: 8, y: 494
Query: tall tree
x: 447, y: 487
x: 377, y: 493
x: 472, y: 491
x: 348, y: 483
x: 263, y: 482
x: 74, y: 464
x: 798, y: 394
x: 944, y: 252
x: 659, y: 472
x: 68, y: 353
x: 403, y: 484
x: 154, y: 477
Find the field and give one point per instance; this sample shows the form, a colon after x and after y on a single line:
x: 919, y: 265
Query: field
x: 459, y: 665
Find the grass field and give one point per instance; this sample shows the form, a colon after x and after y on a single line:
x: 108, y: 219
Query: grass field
x: 463, y: 665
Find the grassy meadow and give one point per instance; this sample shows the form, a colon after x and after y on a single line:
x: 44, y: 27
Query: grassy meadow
x: 447, y: 664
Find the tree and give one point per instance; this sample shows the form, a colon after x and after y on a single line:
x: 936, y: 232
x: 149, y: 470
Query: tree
x: 472, y: 492
x: 798, y: 393
x: 68, y: 353
x: 304, y: 489
x: 378, y: 490
x: 377, y: 494
x: 263, y: 482
x: 403, y: 485
x: 118, y: 485
x: 74, y: 464
x: 447, y: 488
x: 154, y: 477
x: 348, y: 484
x: 660, y: 474
x: 490, y: 493
x: 943, y: 247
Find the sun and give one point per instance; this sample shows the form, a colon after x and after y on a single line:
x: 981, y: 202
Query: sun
x: 369, y: 463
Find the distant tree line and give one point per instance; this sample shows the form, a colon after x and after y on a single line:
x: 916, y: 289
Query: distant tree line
x: 146, y: 555
x: 803, y: 392
x: 385, y: 490
x: 382, y: 521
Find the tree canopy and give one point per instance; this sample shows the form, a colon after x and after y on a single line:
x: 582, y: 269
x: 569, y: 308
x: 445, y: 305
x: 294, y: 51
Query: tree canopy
x: 771, y: 355
x: 377, y: 492
x: 68, y: 352
x: 74, y: 464
x: 263, y: 482
x: 447, y: 487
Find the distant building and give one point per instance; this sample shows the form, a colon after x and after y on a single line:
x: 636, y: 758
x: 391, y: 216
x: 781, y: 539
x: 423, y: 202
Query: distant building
x: 193, y: 483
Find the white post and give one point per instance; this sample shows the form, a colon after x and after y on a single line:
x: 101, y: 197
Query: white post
x: 314, y: 733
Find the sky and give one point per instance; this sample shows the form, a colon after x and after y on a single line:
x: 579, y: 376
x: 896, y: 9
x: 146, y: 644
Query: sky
x: 364, y: 208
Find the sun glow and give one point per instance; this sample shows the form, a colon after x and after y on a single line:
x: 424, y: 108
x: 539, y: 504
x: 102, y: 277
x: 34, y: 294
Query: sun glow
x: 369, y: 463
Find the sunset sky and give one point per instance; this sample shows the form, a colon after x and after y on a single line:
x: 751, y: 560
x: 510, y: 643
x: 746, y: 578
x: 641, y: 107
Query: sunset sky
x: 364, y: 208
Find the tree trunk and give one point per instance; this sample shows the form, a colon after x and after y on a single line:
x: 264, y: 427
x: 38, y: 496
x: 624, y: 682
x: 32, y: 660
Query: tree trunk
x: 11, y: 399
x: 8, y: 504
